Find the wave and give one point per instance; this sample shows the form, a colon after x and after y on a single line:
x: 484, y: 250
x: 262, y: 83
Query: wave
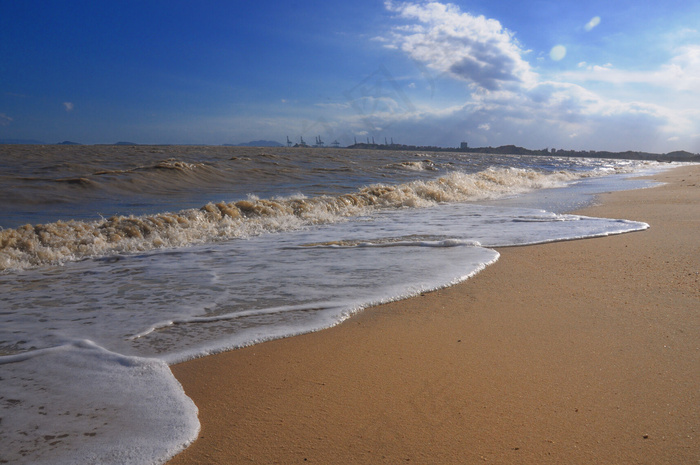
x: 56, y: 243
x: 80, y: 182
x: 163, y: 176
x: 169, y: 164
x: 408, y: 241
x: 423, y: 165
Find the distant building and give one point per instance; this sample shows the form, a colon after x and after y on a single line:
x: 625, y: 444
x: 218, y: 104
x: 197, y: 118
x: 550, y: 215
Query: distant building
x: 463, y: 145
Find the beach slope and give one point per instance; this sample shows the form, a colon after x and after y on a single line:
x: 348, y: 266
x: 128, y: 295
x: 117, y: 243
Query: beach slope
x: 573, y: 352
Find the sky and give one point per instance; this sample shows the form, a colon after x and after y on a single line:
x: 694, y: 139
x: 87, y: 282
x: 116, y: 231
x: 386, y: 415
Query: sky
x: 594, y: 75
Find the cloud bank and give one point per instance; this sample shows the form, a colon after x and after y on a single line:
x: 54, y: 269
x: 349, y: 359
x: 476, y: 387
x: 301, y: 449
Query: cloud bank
x: 507, y: 102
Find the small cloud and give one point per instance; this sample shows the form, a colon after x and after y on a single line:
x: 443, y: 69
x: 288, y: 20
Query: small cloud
x: 284, y: 100
x: 582, y: 64
x: 412, y: 85
x: 337, y: 106
x: 4, y: 119
x: 485, y: 127
x: 592, y: 23
x: 69, y: 106
x: 557, y: 53
x: 674, y: 139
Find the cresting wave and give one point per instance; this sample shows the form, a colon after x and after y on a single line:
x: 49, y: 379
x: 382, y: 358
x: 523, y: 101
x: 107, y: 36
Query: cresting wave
x: 55, y: 243
x: 169, y: 164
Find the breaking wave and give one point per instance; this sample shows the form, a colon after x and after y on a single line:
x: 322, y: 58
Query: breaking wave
x: 423, y: 165
x: 55, y: 243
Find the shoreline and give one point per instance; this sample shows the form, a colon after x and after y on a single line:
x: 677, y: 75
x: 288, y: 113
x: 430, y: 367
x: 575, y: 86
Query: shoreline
x: 583, y: 351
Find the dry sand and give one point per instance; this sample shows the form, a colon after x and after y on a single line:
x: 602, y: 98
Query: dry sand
x: 573, y: 352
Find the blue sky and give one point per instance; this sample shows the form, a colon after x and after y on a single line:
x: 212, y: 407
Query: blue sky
x: 594, y: 75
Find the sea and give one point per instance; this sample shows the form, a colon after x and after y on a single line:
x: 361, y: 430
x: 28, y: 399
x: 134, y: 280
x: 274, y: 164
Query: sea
x: 118, y: 261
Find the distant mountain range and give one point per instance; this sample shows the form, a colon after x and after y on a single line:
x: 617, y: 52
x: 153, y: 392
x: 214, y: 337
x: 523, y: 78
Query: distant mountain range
x: 254, y: 143
x: 35, y: 142
x: 680, y: 155
x: 22, y: 142
x: 40, y: 142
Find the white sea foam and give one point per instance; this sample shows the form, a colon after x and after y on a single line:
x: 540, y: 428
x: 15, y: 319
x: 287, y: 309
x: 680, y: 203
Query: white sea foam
x: 267, y: 280
x: 78, y: 403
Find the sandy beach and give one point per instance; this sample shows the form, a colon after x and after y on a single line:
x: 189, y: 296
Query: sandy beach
x: 573, y: 352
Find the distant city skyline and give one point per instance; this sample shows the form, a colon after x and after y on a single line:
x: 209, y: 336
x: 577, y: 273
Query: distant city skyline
x: 596, y: 76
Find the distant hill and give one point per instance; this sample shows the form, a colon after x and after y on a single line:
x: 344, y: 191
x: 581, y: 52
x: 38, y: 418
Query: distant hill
x: 67, y: 142
x: 22, y: 142
x: 125, y: 143
x: 257, y: 143
x: 682, y: 154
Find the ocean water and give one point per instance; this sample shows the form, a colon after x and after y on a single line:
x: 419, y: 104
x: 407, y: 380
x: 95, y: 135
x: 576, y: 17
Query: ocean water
x: 116, y: 262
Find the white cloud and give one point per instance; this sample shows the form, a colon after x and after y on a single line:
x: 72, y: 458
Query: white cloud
x: 681, y: 72
x: 557, y: 53
x: 337, y: 106
x: 592, y: 23
x: 4, y: 119
x: 68, y: 106
x: 370, y: 105
x: 471, y: 48
x: 506, y: 102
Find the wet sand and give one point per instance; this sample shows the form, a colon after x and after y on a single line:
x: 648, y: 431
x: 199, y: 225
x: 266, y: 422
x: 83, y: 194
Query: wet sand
x: 573, y: 352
